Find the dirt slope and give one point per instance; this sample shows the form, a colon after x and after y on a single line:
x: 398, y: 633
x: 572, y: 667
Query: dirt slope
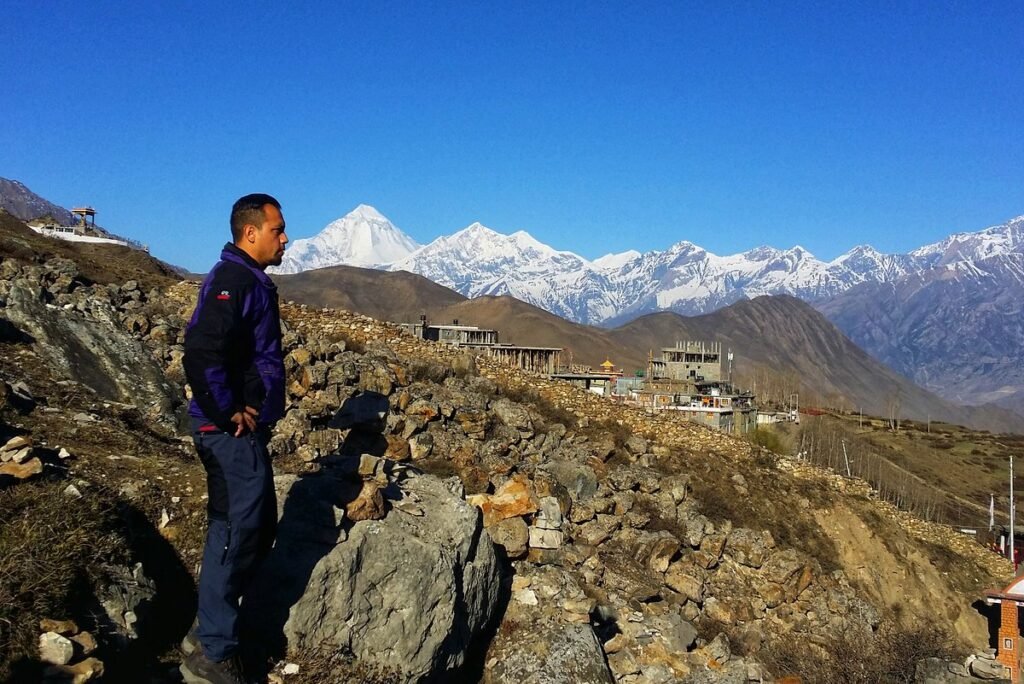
x: 398, y: 297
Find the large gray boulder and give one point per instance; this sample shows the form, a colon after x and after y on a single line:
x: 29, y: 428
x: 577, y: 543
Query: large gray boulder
x: 409, y: 592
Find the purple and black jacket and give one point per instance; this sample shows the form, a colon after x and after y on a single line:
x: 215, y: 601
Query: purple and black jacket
x: 233, y: 354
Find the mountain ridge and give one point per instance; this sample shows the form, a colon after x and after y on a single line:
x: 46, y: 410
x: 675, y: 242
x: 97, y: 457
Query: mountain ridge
x: 782, y: 344
x: 684, y: 277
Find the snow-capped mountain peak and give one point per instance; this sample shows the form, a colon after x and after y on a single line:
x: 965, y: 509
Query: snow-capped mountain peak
x: 762, y: 253
x: 858, y: 252
x: 995, y: 241
x: 612, y: 262
x: 685, y: 278
x: 367, y: 212
x: 362, y: 237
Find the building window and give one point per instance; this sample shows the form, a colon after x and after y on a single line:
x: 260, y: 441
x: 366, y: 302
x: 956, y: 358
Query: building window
x: 1007, y: 644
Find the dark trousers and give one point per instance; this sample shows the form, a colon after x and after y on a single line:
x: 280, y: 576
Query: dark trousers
x: 242, y: 515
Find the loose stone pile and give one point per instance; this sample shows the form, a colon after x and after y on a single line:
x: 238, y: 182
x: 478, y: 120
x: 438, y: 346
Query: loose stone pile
x: 610, y: 565
x: 67, y: 652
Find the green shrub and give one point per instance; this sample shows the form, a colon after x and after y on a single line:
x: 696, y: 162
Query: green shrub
x: 768, y: 439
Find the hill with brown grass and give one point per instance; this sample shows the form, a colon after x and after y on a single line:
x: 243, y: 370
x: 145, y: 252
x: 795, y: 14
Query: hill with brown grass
x: 781, y: 344
x: 99, y: 263
x: 400, y: 296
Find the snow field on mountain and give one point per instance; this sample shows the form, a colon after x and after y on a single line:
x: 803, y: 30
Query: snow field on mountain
x: 478, y: 261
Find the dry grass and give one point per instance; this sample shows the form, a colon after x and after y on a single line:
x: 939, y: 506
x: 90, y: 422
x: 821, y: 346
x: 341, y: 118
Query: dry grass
x: 341, y: 668
x: 945, y: 473
x: 769, y: 506
x: 551, y: 412
x: 888, y: 655
x: 51, y: 546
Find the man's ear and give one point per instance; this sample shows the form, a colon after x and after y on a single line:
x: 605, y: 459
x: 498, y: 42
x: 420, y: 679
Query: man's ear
x: 249, y: 232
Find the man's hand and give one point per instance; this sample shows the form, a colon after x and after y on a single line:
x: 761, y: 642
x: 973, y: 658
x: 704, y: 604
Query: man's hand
x: 245, y: 420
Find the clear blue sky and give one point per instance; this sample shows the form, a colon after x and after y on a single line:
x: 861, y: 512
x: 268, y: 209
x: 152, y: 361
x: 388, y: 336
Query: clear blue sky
x: 594, y: 126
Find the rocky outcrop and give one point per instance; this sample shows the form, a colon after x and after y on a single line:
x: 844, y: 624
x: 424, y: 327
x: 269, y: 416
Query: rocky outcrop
x: 427, y: 492
x: 409, y: 592
x: 91, y: 334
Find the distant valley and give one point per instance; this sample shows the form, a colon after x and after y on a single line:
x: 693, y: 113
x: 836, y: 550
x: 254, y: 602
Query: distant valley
x: 782, y: 344
x: 947, y: 315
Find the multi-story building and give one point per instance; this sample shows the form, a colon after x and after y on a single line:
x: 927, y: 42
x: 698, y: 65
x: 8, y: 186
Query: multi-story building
x: 689, y: 361
x: 694, y: 379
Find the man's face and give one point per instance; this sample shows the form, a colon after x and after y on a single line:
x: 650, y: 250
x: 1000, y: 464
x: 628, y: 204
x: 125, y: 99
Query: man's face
x: 268, y: 241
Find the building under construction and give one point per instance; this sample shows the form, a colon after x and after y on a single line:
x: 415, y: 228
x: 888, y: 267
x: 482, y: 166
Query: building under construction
x: 694, y: 379
x: 544, y: 360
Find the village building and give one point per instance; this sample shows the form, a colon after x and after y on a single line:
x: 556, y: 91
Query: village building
x: 543, y: 360
x: 693, y: 378
x: 47, y: 224
x: 85, y: 230
x: 453, y: 333
x: 1008, y: 641
x: 689, y: 361
x: 690, y: 378
x: 602, y: 381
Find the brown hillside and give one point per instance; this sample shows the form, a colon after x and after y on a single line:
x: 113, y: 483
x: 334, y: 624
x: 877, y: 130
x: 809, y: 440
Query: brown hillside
x: 782, y: 345
x: 98, y: 263
x: 785, y: 341
x: 521, y: 323
x: 399, y: 296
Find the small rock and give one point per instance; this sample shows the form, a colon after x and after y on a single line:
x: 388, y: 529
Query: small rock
x: 623, y: 663
x: 16, y: 444
x: 55, y: 649
x: 291, y: 669
x: 513, y: 535
x: 22, y: 471
x: 369, y: 505
x: 513, y: 499
x: 988, y: 669
x: 615, y: 644
x: 545, y: 539
x: 22, y: 391
x: 520, y: 582
x: 526, y: 596
x: 21, y: 455
x: 62, y: 627
x: 79, y: 673
x: 86, y: 640
x: 549, y: 517
x: 369, y: 464
x: 584, y: 605
x: 63, y: 453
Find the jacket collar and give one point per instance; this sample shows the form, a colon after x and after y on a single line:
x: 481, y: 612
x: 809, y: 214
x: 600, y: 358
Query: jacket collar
x: 233, y: 253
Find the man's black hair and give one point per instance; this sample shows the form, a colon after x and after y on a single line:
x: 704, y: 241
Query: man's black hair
x: 249, y: 210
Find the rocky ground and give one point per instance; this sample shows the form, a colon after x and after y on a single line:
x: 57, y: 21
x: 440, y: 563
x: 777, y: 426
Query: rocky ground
x: 443, y: 518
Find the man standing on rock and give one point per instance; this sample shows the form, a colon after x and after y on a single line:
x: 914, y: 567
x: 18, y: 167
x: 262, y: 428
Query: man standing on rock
x: 235, y: 367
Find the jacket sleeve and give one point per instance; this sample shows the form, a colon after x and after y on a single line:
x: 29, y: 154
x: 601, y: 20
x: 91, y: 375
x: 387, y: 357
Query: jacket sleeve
x: 208, y: 340
x: 264, y: 386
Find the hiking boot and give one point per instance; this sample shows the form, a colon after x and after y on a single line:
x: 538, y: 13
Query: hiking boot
x: 198, y: 669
